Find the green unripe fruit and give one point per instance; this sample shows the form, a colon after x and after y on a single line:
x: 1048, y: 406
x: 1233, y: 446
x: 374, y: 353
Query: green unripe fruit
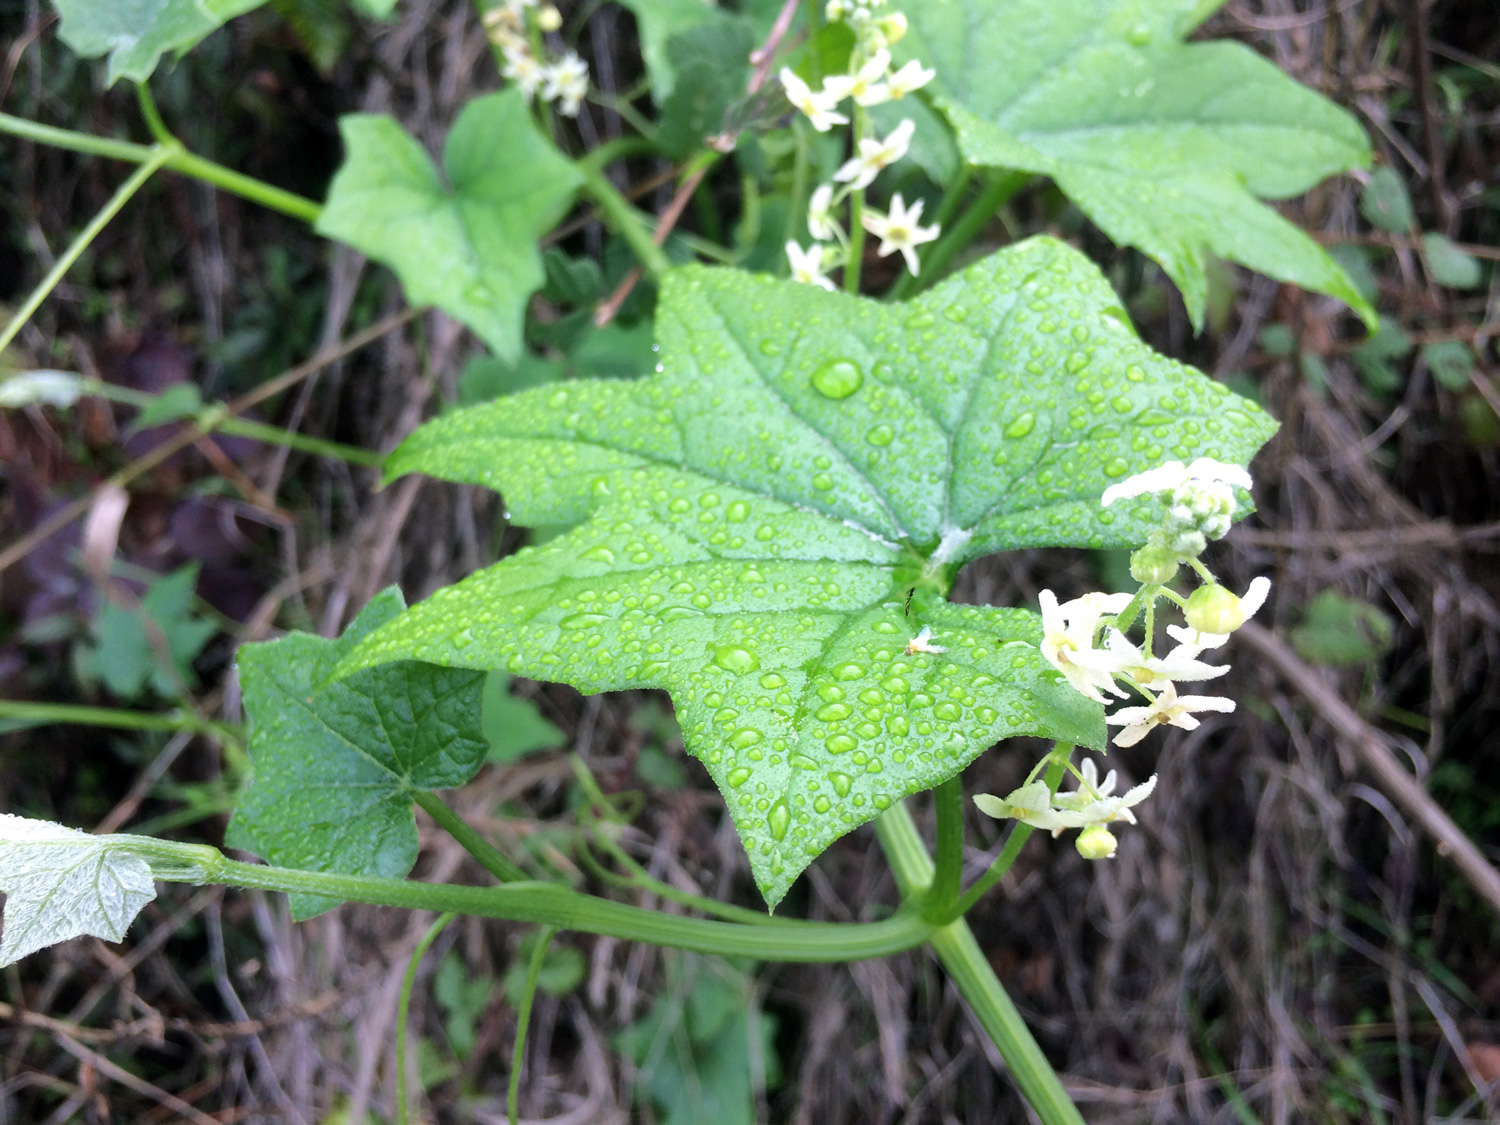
x: 1155, y: 564
x: 1096, y: 842
x: 1213, y: 609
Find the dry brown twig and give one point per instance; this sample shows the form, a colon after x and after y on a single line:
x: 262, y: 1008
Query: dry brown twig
x: 1404, y: 789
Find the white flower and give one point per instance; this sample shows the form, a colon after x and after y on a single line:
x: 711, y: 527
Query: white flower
x: 566, y: 81
x: 818, y: 107
x: 922, y: 642
x: 807, y: 265
x: 1093, y: 801
x: 522, y: 68
x: 875, y: 154
x: 1030, y: 804
x: 1253, y: 598
x: 1168, y: 710
x: 1122, y: 658
x: 1068, y: 633
x: 899, y: 230
x: 912, y: 76
x: 820, y: 222
x: 864, y: 85
x: 1173, y: 475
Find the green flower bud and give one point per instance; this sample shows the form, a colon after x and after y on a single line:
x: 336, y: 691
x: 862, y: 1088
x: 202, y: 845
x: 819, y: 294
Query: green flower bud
x: 1153, y: 565
x: 893, y: 27
x: 1213, y: 609
x: 1096, y: 842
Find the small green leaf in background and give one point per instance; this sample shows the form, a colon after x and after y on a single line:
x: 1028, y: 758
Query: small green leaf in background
x: 1165, y: 145
x: 1338, y: 630
x: 696, y: 1052
x: 375, y: 9
x: 659, y: 21
x: 563, y: 969
x: 463, y: 998
x: 765, y: 524
x: 180, y: 400
x: 337, y: 767
x: 1451, y: 266
x: 469, y: 247
x: 126, y: 656
x: 1356, y: 262
x: 1375, y: 359
x: 136, y: 33
x: 513, y: 727
x: 711, y: 67
x: 60, y: 883
x: 485, y: 377
x: 1451, y: 363
x: 1385, y: 202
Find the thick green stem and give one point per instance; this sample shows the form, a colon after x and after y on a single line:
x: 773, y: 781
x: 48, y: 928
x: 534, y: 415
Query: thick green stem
x: 625, y: 220
x: 551, y: 905
x: 960, y: 954
x: 997, y: 191
x: 403, y: 1007
x: 1057, y: 764
x: 941, y: 898
x: 491, y: 858
x: 159, y: 157
x: 523, y: 1022
x: 247, y: 187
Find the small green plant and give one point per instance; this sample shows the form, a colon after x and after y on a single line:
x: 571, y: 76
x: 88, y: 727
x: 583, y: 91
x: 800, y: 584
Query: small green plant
x: 768, y: 526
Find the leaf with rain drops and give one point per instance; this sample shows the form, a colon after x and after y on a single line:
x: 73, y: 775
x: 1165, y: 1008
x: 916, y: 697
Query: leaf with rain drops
x: 337, y: 766
x: 470, y: 246
x: 768, y: 526
x: 1166, y: 145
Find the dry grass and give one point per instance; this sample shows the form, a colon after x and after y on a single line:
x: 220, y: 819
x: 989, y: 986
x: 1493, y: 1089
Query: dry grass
x: 1274, y: 943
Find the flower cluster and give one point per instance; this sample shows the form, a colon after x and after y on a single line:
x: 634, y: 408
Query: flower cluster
x: 870, y: 80
x: 516, y: 27
x: 1088, y: 641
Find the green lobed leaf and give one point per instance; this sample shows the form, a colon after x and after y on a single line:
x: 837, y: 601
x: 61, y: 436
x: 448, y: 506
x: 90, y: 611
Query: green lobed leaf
x: 768, y: 522
x: 136, y: 33
x: 468, y: 247
x: 659, y: 21
x: 1165, y: 145
x: 337, y: 767
x: 710, y: 66
x: 60, y: 883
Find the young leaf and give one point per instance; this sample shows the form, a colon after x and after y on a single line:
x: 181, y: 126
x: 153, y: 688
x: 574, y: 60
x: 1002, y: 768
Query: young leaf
x: 659, y: 21
x: 469, y: 248
x: 136, y: 33
x: 1451, y: 266
x: 1164, y: 144
x: 336, y: 767
x: 771, y: 520
x: 60, y: 883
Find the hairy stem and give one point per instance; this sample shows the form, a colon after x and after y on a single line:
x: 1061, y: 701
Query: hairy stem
x: 551, y: 905
x: 37, y: 713
x: 960, y: 954
x: 942, y: 896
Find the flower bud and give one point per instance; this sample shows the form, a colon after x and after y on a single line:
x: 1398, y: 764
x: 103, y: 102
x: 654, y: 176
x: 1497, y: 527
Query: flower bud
x: 1096, y: 842
x: 1213, y: 609
x: 1153, y: 565
x: 893, y: 27
x: 548, y: 18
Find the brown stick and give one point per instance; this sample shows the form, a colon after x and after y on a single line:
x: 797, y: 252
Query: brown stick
x: 1404, y: 789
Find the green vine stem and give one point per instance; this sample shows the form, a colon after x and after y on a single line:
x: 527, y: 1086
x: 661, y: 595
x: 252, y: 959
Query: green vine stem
x: 31, y: 713
x: 523, y: 1022
x: 1057, y: 764
x: 160, y: 156
x: 552, y: 905
x: 403, y: 1008
x: 490, y: 857
x: 856, y: 212
x: 960, y: 954
x: 942, y: 895
x: 180, y: 161
x: 624, y: 219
